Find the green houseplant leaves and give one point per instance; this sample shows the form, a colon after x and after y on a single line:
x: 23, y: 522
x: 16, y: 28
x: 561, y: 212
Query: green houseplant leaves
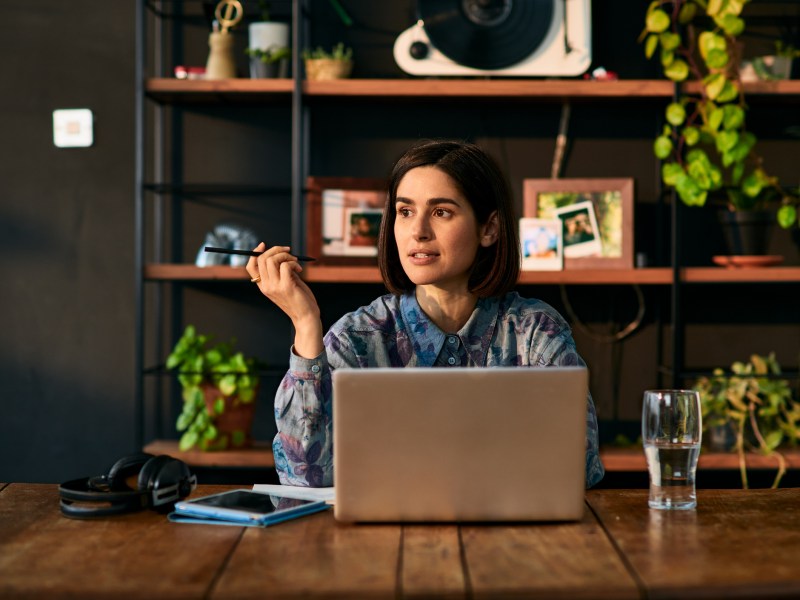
x: 705, y: 145
x: 756, y: 404
x: 201, y: 366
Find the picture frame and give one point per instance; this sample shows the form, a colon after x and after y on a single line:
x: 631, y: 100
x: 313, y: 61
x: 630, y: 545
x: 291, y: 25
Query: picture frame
x: 612, y: 205
x: 333, y: 206
x: 541, y: 244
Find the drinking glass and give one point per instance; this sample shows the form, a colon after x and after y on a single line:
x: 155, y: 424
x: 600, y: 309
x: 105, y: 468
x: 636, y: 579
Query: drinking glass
x: 672, y: 426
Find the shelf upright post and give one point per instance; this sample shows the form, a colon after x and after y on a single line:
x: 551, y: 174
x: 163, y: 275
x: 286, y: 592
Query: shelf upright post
x: 299, y: 126
x: 139, y: 70
x: 675, y: 290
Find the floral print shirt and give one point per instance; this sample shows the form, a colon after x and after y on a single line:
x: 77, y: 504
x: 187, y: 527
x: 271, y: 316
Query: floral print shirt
x: 393, y: 331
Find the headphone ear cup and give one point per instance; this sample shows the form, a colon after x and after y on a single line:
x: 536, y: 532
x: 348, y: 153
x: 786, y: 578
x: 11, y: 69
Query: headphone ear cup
x: 150, y: 471
x: 165, y: 480
x: 124, y: 468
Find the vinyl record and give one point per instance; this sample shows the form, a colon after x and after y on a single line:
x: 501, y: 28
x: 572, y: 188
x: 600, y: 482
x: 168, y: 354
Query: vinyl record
x: 486, y: 34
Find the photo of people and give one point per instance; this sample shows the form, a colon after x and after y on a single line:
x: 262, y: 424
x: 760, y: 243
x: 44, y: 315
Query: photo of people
x: 580, y: 232
x: 363, y: 228
x: 350, y: 222
x: 541, y: 242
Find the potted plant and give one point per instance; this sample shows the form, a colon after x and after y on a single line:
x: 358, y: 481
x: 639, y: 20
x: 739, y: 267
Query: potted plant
x: 269, y: 62
x: 705, y: 145
x: 336, y: 64
x: 268, y: 45
x: 755, y: 406
x: 219, y: 393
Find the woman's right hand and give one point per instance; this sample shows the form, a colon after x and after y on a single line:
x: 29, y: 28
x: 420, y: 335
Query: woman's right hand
x: 276, y: 272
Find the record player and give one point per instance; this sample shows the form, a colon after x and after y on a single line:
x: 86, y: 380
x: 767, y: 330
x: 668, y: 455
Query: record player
x: 513, y: 38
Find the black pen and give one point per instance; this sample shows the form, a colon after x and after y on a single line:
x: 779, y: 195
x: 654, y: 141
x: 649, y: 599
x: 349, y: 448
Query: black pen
x: 250, y: 253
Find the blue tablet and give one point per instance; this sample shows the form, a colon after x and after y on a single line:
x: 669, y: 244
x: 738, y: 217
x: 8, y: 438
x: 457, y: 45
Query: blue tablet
x: 244, y: 507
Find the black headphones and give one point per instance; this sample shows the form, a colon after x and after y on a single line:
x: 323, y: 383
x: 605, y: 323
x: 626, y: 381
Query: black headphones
x: 162, y: 480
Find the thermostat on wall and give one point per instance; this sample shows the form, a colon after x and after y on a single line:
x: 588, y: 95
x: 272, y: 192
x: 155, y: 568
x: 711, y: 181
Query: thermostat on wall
x: 72, y: 128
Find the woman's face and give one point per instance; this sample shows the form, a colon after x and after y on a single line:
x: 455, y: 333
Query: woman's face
x: 436, y: 230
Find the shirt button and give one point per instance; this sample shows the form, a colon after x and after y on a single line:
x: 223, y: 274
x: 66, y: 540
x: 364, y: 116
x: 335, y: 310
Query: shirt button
x: 451, y: 339
x: 451, y: 360
x: 315, y: 369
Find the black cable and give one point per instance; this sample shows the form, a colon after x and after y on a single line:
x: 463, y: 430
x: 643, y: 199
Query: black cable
x: 606, y: 338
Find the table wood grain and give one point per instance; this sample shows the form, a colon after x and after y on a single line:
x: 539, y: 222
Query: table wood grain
x: 736, y: 544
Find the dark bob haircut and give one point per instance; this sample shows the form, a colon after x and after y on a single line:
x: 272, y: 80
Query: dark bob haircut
x: 480, y: 180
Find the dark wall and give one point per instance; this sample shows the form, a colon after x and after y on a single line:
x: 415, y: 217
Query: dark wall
x: 66, y: 224
x: 66, y: 233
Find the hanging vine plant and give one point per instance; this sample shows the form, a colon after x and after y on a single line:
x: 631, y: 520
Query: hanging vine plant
x: 705, y: 144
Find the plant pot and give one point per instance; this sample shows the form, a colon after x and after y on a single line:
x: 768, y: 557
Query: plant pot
x: 318, y: 69
x: 267, y: 34
x: 235, y: 423
x: 746, y: 231
x: 261, y: 70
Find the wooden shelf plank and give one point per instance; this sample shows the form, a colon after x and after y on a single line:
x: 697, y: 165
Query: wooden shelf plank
x: 632, y: 459
x: 169, y: 89
x: 344, y: 274
x: 181, y: 272
x: 723, y: 275
x: 198, y: 90
x: 494, y: 88
x: 260, y: 455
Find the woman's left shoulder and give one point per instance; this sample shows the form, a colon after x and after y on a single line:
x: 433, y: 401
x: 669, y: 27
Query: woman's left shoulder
x: 512, y: 304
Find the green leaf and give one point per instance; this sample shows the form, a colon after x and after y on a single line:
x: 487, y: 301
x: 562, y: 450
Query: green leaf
x: 773, y: 439
x: 669, y: 40
x: 219, y: 406
x: 657, y: 21
x: 188, y: 440
x: 238, y: 438
x: 662, y: 147
x: 787, y: 215
x: 708, y: 41
x: 729, y: 92
x: 667, y: 58
x: 737, y: 172
x: 676, y: 114
x: 650, y: 45
x: 714, y: 6
x: 732, y: 25
x: 727, y: 140
x: 700, y: 174
x: 714, y: 84
x: 227, y: 385
x: 733, y: 116
x: 691, y: 135
x: 670, y: 173
x: 677, y: 71
x: 752, y: 184
x: 715, y: 118
x: 687, y: 13
x: 717, y: 59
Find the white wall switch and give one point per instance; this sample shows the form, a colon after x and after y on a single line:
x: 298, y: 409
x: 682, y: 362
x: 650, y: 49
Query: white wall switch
x: 72, y: 128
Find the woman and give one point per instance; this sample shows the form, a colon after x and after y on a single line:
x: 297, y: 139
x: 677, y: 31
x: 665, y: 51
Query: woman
x: 448, y: 252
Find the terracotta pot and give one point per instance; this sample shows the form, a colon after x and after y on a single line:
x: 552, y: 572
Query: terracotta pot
x: 234, y: 425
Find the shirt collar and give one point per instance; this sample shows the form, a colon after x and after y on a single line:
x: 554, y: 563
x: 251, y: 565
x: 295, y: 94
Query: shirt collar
x: 427, y: 339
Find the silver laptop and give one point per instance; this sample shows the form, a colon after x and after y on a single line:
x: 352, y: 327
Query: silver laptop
x: 439, y: 444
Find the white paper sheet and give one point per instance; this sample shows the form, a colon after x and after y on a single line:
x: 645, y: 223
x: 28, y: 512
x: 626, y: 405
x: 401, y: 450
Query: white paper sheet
x: 296, y: 491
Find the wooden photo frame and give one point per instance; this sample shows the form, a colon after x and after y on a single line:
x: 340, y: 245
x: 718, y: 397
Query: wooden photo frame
x: 611, y: 201
x: 335, y: 206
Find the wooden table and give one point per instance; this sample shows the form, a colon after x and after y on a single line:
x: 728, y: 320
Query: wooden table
x: 736, y: 544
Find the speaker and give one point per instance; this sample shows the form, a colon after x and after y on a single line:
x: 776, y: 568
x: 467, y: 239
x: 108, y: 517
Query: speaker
x: 515, y: 38
x: 161, y: 481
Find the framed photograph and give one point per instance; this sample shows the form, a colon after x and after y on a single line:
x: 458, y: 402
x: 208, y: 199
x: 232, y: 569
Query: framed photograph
x: 541, y: 244
x: 610, y: 245
x: 343, y: 218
